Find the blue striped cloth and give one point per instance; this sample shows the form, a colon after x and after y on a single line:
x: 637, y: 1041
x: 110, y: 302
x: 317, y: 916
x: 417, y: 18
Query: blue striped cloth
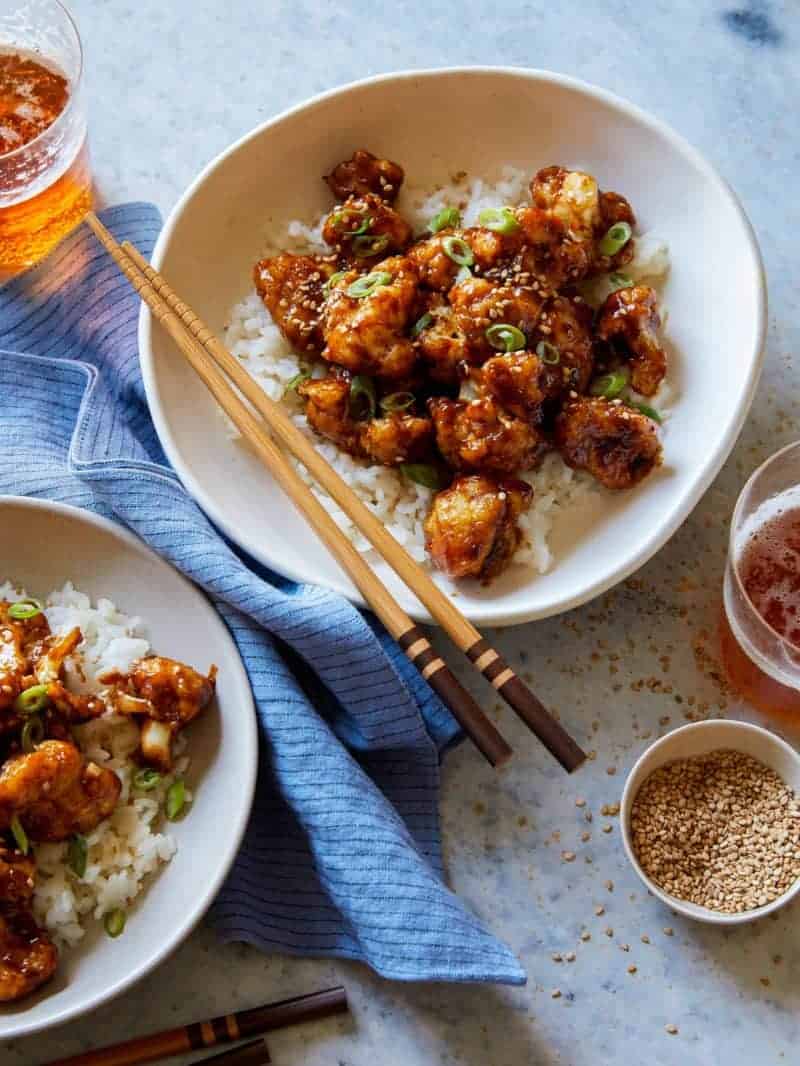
x: 342, y: 854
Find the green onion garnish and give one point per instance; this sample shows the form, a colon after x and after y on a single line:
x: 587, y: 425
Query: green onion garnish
x: 32, y: 734
x: 610, y: 385
x: 297, y: 380
x: 423, y: 474
x: 340, y: 218
x: 646, y: 409
x: 620, y: 281
x: 500, y: 219
x: 176, y: 800
x: 76, y: 855
x: 505, y: 338
x: 114, y: 922
x: 365, y: 246
x: 146, y: 779
x: 333, y: 279
x: 464, y: 274
x: 548, y: 353
x: 22, y: 610
x: 32, y: 700
x: 397, y: 401
x: 458, y: 250
x: 447, y: 218
x: 20, y: 836
x: 367, y: 284
x: 362, y: 397
x: 616, y: 237
x: 421, y: 324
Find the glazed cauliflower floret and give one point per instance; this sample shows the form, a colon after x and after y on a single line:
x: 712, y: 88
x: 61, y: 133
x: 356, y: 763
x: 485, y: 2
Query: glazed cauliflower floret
x: 292, y: 288
x: 367, y: 319
x: 479, y: 304
x: 480, y: 435
x: 566, y: 324
x: 328, y: 411
x: 523, y: 384
x: 629, y: 320
x: 364, y: 173
x: 615, y: 443
x: 365, y: 229
x: 397, y: 438
x: 471, y: 530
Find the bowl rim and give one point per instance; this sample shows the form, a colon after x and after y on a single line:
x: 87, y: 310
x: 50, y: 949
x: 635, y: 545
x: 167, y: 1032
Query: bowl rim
x: 229, y: 848
x: 683, y: 907
x: 486, y: 612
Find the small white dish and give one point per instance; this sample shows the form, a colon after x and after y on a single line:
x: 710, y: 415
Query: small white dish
x: 434, y: 123
x: 44, y: 545
x: 699, y: 738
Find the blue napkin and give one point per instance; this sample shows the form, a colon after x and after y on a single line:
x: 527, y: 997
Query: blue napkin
x: 342, y: 854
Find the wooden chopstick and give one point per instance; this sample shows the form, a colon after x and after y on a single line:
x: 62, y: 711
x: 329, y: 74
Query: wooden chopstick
x: 223, y: 1030
x: 256, y: 1053
x: 411, y: 639
x: 486, y: 659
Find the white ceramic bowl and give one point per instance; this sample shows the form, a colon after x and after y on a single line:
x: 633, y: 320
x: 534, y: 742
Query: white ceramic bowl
x: 699, y: 738
x: 44, y: 545
x: 436, y: 123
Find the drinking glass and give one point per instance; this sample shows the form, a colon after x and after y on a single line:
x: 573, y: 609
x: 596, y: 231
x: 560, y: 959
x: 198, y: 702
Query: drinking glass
x: 761, y: 663
x: 45, y: 185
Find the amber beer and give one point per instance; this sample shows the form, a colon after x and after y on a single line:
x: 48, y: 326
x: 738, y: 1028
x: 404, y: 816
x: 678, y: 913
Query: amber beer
x: 45, y: 181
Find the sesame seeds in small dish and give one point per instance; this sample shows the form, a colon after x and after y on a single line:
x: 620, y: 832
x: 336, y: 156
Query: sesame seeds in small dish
x: 711, y: 821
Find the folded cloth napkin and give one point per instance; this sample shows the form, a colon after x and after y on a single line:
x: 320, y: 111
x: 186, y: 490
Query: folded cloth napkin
x: 342, y: 853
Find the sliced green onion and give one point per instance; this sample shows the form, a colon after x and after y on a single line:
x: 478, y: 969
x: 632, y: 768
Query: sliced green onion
x: 333, y: 279
x: 146, y: 779
x: 464, y: 274
x: 421, y: 324
x: 548, y: 353
x: 397, y: 401
x: 616, y: 237
x: 365, y: 246
x: 499, y: 219
x: 340, y: 217
x: 32, y: 700
x: 114, y: 922
x: 458, y: 250
x: 20, y: 836
x: 297, y: 380
x: 362, y: 397
x: 32, y: 734
x: 176, y: 800
x: 77, y: 853
x: 22, y: 610
x: 610, y: 385
x: 505, y: 338
x: 423, y: 474
x: 367, y: 284
x: 646, y: 409
x: 447, y: 218
x: 620, y: 281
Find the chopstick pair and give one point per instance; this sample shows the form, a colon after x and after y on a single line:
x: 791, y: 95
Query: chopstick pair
x: 215, y: 365
x: 223, y: 1030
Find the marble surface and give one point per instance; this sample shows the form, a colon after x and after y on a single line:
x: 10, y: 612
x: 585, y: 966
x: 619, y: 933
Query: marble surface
x: 172, y: 84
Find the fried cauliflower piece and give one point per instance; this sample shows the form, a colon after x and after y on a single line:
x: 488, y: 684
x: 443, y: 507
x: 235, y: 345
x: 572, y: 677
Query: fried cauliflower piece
x: 438, y: 270
x: 479, y: 304
x: 28, y: 957
x: 443, y: 346
x: 614, y: 208
x: 55, y: 792
x: 617, y: 444
x: 567, y: 325
x: 523, y: 384
x: 328, y: 411
x: 364, y: 229
x: 292, y: 289
x: 629, y: 319
x: 471, y: 530
x: 480, y: 435
x: 367, y: 334
x: 365, y: 173
x: 397, y: 438
x: 550, y: 253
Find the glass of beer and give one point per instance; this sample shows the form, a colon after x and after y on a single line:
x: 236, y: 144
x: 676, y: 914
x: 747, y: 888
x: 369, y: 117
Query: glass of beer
x: 760, y: 633
x: 45, y: 183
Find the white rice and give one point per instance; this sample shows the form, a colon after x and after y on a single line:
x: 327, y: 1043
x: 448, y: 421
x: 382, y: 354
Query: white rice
x: 130, y: 845
x: 401, y: 505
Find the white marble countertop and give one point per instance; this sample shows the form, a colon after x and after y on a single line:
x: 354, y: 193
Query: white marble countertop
x: 172, y: 84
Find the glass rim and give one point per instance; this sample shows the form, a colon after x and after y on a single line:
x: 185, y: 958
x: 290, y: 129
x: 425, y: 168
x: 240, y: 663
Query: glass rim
x: 731, y: 547
x: 73, y: 96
